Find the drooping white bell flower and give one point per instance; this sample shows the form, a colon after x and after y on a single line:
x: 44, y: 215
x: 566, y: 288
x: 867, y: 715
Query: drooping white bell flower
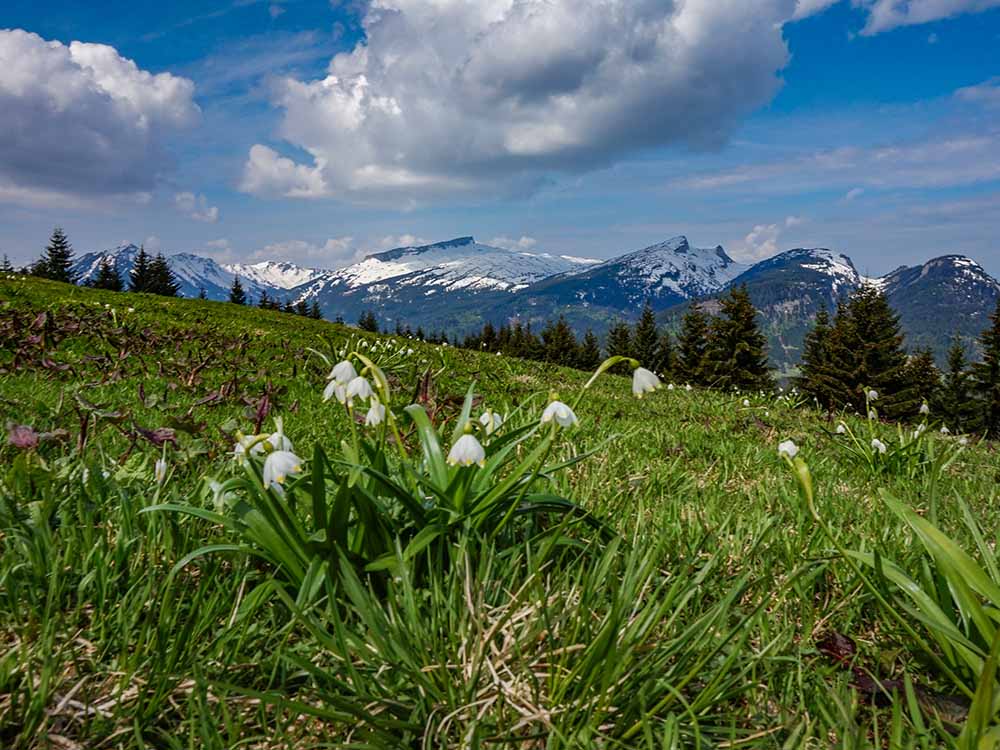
x: 343, y: 372
x: 359, y: 387
x: 872, y: 414
x: 560, y: 413
x: 277, y: 439
x: 788, y: 449
x: 670, y: 387
x: 841, y: 428
x: 878, y: 445
x: 925, y: 409
x: 160, y: 470
x: 375, y: 415
x: 687, y: 387
x: 873, y: 395
x: 643, y: 382
x: 278, y: 466
x: 945, y: 430
x: 467, y: 451
x: 491, y: 421
x: 746, y: 402
x: 963, y: 441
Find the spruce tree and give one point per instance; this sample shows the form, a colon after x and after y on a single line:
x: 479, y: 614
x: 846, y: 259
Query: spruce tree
x: 367, y: 322
x: 986, y: 375
x: 139, y: 278
x: 237, y: 295
x: 816, y: 360
x: 301, y: 308
x: 692, y: 347
x: 314, y: 312
x: 955, y: 406
x: 588, y: 356
x: 620, y: 344
x: 664, y: 363
x: 162, y: 279
x: 6, y: 267
x: 56, y: 262
x: 264, y: 303
x: 107, y: 276
x: 646, y: 339
x: 559, y: 343
x: 488, y: 337
x: 202, y: 294
x: 923, y: 384
x: 737, y: 350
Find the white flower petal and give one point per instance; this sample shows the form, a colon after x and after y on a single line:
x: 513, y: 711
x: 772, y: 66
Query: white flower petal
x: 559, y: 412
x: 788, y: 449
x: 466, y: 451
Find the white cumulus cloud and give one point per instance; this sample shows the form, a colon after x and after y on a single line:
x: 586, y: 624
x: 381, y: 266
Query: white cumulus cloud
x: 196, y: 207
x: 507, y: 243
x: 81, y: 120
x: 884, y: 15
x: 451, y: 97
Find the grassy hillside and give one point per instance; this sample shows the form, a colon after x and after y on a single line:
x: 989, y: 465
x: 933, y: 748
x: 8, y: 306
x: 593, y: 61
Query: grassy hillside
x: 696, y: 594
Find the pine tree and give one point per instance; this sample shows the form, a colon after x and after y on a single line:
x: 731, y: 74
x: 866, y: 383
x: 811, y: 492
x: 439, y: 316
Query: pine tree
x: 664, y: 363
x: 202, y: 294
x: 6, y: 267
x: 560, y: 343
x: 237, y: 295
x: 588, y: 356
x: 162, y: 279
x: 367, y: 322
x: 314, y: 312
x: 692, y: 347
x: 301, y: 308
x: 264, y: 303
x: 987, y: 377
x: 646, y: 339
x: 140, y: 278
x: 923, y: 381
x: 737, y: 350
x: 107, y: 276
x: 955, y: 405
x: 620, y: 344
x: 816, y: 360
x: 488, y: 338
x: 56, y: 262
x: 866, y: 352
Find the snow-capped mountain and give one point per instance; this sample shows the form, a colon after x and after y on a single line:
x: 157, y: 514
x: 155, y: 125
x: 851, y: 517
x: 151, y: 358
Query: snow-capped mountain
x: 195, y: 272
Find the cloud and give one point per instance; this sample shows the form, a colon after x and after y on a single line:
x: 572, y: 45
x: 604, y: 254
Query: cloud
x: 448, y: 97
x: 762, y: 241
x: 806, y: 8
x: 523, y: 243
x: 853, y: 194
x: 196, y: 207
x: 81, y: 121
x: 275, y: 10
x: 962, y: 159
x: 333, y: 253
x: 885, y: 15
x: 986, y: 93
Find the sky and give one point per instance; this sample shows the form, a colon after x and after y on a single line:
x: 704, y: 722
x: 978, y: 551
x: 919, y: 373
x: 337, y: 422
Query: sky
x: 318, y: 131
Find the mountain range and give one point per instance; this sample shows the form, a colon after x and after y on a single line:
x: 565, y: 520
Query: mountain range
x: 457, y: 285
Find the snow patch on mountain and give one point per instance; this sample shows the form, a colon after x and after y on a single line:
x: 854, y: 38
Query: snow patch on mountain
x: 677, y: 267
x: 280, y: 275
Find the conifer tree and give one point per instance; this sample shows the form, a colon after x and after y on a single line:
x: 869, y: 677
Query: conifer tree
x: 264, y: 302
x: 692, y: 347
x: 237, y: 295
x: 923, y: 384
x: 140, y: 278
x: 56, y: 262
x: 664, y: 363
x: 559, y: 343
x: 955, y: 406
x: 620, y: 344
x: 162, y: 279
x: 646, y: 340
x: 987, y: 377
x: 301, y: 308
x: 737, y: 350
x: 367, y: 322
x: 588, y: 355
x: 6, y: 267
x: 314, y: 312
x: 816, y: 361
x: 202, y: 294
x: 488, y: 337
x: 107, y: 276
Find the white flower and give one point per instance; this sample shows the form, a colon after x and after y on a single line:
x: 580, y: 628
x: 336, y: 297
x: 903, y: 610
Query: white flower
x: 920, y: 430
x: 278, y: 466
x: 467, y: 451
x: 788, y: 449
x: 376, y: 414
x: 872, y: 414
x: 276, y: 439
x: 670, y: 387
x: 687, y: 387
x: 644, y: 381
x: 945, y: 430
x: 925, y: 409
x: 873, y: 395
x: 963, y: 441
x: 559, y: 412
x: 746, y: 402
x: 359, y: 387
x: 878, y: 445
x: 343, y: 372
x: 160, y: 471
x: 841, y: 428
x: 491, y: 421
x: 131, y: 309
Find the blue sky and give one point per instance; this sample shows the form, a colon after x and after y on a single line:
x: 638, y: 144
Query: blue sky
x: 318, y: 131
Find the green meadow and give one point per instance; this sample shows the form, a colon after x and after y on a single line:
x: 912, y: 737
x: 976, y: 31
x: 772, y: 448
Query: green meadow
x: 656, y: 576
